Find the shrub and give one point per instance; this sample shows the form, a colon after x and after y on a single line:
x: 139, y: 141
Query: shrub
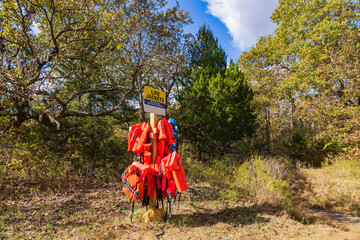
x: 264, y: 180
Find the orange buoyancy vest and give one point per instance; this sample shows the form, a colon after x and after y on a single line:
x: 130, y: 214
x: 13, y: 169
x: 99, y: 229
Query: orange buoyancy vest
x: 133, y: 134
x: 170, y: 138
x: 147, y: 176
x: 141, y: 139
x: 133, y: 187
x: 170, y: 191
x: 165, y: 138
x: 173, y: 161
x: 161, y: 129
x: 157, y: 163
x: 174, y: 164
x: 180, y: 179
x: 147, y: 158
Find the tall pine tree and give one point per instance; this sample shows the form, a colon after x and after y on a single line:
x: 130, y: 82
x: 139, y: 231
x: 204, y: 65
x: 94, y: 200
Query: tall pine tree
x: 216, y: 100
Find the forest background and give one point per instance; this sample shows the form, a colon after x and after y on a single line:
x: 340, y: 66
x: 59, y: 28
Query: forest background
x: 72, y: 75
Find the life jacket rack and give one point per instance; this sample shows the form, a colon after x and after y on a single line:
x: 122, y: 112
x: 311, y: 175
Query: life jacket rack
x: 167, y: 174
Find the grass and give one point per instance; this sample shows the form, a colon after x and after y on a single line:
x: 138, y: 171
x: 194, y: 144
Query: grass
x: 264, y: 181
x: 336, y: 186
x: 99, y: 213
x: 257, y: 199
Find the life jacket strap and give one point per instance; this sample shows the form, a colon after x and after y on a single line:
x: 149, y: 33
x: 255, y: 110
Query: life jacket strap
x: 132, y: 212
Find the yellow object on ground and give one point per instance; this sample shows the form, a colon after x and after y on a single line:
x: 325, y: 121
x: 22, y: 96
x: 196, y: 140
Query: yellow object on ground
x: 154, y: 215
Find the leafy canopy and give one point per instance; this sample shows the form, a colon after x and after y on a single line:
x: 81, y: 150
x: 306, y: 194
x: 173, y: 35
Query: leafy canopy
x: 64, y: 58
x: 307, y: 72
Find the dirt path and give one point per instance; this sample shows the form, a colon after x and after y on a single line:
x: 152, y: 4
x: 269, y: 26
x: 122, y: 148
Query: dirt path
x: 347, y: 224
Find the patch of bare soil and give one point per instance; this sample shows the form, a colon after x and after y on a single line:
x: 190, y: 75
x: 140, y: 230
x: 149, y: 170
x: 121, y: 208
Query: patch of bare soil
x: 347, y: 224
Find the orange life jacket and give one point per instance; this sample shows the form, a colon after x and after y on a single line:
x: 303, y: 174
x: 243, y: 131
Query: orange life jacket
x: 147, y: 158
x: 165, y: 138
x: 133, y: 134
x: 133, y: 187
x: 161, y: 129
x: 168, y: 172
x: 147, y: 147
x: 173, y: 161
x: 157, y: 163
x: 175, y: 165
x: 161, y: 147
x: 180, y: 179
x: 147, y: 177
x: 170, y: 138
x: 171, y: 167
x: 141, y: 138
x: 162, y: 171
x: 170, y: 191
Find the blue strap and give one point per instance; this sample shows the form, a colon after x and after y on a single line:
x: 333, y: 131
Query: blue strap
x: 169, y: 202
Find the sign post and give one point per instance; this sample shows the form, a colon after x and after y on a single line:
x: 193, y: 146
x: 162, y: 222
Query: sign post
x: 153, y: 150
x: 154, y: 103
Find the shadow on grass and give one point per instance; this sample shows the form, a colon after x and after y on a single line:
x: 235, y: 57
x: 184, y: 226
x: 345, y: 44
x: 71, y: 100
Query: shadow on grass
x: 206, y: 217
x: 56, y: 215
x: 77, y: 209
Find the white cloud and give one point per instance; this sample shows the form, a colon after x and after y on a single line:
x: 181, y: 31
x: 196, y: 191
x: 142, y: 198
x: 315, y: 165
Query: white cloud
x: 246, y: 20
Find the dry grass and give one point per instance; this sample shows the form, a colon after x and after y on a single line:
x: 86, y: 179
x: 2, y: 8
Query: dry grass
x: 336, y: 186
x: 211, y: 209
x: 101, y: 212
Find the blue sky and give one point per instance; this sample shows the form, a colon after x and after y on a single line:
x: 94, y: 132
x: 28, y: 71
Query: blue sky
x: 237, y: 24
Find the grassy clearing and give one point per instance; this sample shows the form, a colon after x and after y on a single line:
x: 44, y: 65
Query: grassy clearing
x: 336, y: 186
x: 258, y: 199
x: 101, y: 212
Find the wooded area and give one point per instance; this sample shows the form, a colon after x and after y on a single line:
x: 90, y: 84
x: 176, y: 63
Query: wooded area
x: 72, y: 75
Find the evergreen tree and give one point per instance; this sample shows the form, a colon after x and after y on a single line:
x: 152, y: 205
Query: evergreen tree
x: 207, y: 53
x: 215, y: 109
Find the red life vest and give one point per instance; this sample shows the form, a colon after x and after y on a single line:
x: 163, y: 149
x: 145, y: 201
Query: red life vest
x: 161, y: 147
x: 162, y: 130
x: 170, y: 191
x: 147, y: 147
x: 139, y: 179
x: 173, y: 161
x: 147, y: 158
x: 169, y: 168
x: 170, y: 138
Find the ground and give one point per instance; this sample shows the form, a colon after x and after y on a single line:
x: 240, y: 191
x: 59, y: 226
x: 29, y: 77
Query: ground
x: 91, y: 211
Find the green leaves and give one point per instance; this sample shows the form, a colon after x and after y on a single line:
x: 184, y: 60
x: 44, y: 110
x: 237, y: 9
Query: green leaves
x: 85, y: 58
x: 312, y: 55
